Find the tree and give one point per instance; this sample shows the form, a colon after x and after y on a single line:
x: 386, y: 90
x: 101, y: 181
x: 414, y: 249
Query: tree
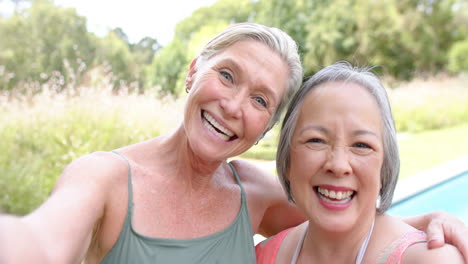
x: 42, y: 40
x: 145, y: 50
x: 290, y: 16
x: 223, y: 11
x: 167, y: 67
x: 114, y: 52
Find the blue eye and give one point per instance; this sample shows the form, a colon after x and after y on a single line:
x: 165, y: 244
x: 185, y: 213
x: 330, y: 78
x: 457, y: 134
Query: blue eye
x: 261, y: 101
x: 226, y: 75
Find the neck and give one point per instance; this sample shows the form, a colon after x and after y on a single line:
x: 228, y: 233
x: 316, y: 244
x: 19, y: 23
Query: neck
x: 323, y: 246
x: 187, y: 167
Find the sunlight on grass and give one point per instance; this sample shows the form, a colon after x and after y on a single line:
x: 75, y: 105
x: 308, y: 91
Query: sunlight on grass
x: 425, y: 150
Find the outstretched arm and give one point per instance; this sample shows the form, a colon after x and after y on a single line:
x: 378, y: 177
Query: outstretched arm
x: 442, y: 227
x: 60, y: 230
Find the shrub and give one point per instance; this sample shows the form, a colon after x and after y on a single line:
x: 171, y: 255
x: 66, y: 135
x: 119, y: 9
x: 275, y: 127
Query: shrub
x: 458, y: 57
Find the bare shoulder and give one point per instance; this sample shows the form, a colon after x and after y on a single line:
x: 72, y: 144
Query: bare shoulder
x: 271, y: 211
x: 254, y: 175
x: 419, y: 253
x: 94, y: 168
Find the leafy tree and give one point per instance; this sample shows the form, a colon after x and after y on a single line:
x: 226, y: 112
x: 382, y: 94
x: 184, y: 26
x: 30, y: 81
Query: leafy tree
x: 406, y: 37
x: 167, y: 66
x: 290, y: 16
x: 170, y: 65
x: 43, y: 40
x: 458, y: 57
x: 119, y: 33
x: 223, y: 11
x: 145, y: 49
x: 115, y: 52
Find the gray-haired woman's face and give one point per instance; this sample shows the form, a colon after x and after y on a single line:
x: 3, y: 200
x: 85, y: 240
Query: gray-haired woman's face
x: 336, y: 156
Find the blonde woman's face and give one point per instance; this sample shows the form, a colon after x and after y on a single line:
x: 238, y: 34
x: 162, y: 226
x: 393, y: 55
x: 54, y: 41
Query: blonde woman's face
x: 232, y: 99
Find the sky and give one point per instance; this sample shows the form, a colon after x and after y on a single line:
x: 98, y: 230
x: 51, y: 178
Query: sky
x: 137, y: 18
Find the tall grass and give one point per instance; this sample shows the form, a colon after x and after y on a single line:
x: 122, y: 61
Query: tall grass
x: 41, y: 133
x: 429, y: 104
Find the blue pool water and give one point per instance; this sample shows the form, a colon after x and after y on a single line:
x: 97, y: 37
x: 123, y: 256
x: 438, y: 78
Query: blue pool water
x: 450, y: 196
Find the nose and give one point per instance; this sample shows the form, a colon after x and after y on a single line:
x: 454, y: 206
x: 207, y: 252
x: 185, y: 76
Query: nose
x: 232, y: 104
x: 338, y: 163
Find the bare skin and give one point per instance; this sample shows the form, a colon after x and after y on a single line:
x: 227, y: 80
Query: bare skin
x: 182, y: 186
x: 327, y: 152
x: 179, y: 181
x: 202, y: 203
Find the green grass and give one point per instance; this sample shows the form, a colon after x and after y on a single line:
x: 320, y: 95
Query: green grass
x: 424, y: 150
x: 42, y: 134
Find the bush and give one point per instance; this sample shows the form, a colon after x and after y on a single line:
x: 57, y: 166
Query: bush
x: 458, y: 57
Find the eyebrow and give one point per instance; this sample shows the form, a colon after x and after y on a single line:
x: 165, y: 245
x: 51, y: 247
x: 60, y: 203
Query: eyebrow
x: 238, y: 68
x: 327, y: 132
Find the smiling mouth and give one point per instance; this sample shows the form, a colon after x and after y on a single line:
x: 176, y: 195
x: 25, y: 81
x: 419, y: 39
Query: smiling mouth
x: 332, y: 196
x: 222, y: 132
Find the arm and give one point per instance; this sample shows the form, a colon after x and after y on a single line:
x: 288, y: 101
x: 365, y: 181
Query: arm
x: 442, y: 227
x: 419, y: 253
x: 279, y: 213
x: 60, y: 230
x: 280, y: 216
x: 269, y: 209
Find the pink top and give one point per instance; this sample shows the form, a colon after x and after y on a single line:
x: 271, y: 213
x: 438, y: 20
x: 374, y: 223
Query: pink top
x: 266, y: 250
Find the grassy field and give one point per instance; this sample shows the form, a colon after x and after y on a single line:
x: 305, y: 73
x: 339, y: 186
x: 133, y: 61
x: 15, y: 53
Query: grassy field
x: 42, y: 133
x: 424, y: 150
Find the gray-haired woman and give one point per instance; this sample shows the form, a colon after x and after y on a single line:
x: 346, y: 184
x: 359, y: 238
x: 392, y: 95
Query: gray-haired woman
x: 338, y: 161
x: 174, y: 198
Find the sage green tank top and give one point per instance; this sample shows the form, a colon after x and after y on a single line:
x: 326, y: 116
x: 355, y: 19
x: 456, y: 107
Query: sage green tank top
x: 231, y: 245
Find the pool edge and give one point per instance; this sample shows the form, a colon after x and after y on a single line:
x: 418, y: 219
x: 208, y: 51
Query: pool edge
x: 428, y: 178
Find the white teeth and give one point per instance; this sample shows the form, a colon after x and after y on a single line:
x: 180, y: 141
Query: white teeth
x: 210, y: 123
x: 338, y: 196
x: 211, y: 128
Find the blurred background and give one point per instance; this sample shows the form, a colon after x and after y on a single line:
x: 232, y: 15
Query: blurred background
x: 78, y: 78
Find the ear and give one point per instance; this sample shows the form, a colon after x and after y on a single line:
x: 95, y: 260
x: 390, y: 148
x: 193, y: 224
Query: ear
x: 191, y: 73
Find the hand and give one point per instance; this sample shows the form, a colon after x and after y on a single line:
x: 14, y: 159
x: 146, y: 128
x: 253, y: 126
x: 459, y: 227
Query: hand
x: 442, y: 227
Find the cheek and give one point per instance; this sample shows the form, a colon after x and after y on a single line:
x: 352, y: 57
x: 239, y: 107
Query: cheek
x: 303, y: 165
x: 370, y: 169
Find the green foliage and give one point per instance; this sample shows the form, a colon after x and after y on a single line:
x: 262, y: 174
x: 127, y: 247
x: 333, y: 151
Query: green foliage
x: 168, y: 66
x: 223, y: 11
x: 145, y: 50
x: 290, y: 16
x: 458, y: 57
x: 422, y: 151
x: 42, y: 134
x: 42, y: 40
x: 399, y: 35
x: 171, y: 64
x: 115, y: 52
x: 429, y: 105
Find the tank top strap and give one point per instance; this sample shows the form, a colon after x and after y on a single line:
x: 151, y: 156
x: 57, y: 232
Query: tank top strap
x: 130, y: 189
x: 233, y: 168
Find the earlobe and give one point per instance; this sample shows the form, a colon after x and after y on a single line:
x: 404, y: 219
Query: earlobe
x: 192, y: 71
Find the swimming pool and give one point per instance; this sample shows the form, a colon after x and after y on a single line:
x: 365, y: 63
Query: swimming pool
x: 442, y: 188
